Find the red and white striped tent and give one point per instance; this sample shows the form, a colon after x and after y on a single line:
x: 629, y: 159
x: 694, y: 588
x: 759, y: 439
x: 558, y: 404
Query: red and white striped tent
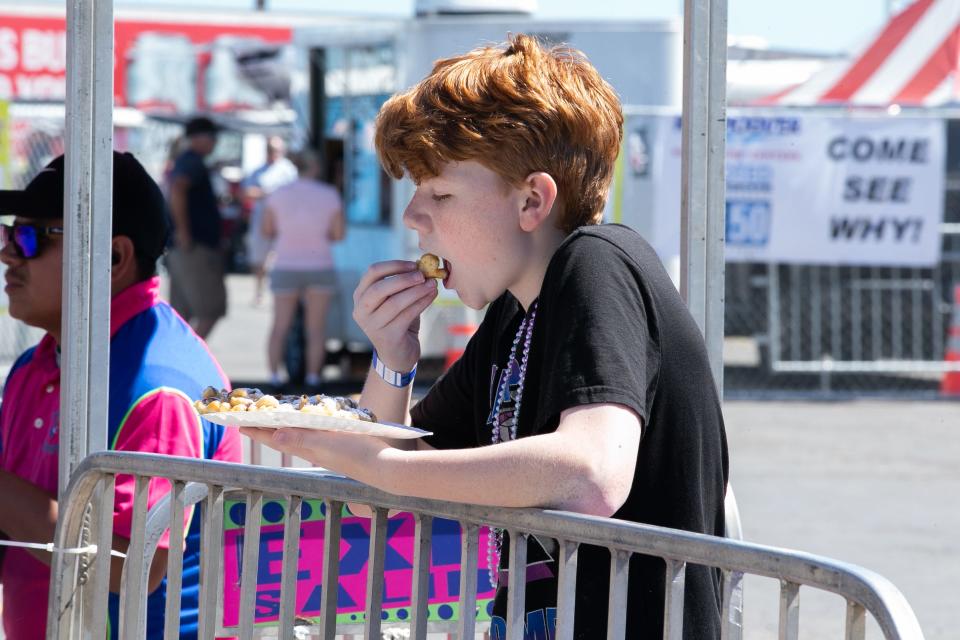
x: 913, y: 61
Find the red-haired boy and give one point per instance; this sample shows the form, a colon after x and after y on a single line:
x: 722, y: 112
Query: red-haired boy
x: 587, y: 374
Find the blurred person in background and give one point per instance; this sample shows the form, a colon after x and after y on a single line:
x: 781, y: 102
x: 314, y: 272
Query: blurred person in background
x: 157, y: 364
x: 177, y: 146
x: 196, y: 261
x: 303, y: 219
x: 276, y: 172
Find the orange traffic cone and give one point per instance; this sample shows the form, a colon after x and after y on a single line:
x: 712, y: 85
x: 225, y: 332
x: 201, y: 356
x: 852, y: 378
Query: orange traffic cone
x: 460, y: 335
x: 950, y: 385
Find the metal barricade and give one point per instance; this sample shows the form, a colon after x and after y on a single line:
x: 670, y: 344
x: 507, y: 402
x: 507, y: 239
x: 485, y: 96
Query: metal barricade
x: 78, y: 592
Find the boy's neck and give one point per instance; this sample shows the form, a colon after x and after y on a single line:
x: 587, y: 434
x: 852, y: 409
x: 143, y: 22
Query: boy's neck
x: 544, y: 244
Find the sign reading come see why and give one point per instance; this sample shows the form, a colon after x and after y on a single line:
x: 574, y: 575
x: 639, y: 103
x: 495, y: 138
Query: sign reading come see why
x: 444, y: 587
x: 822, y: 189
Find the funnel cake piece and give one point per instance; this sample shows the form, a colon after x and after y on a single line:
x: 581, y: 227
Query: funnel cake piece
x: 429, y: 266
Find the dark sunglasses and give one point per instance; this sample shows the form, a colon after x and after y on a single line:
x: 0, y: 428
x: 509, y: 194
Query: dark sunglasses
x: 27, y: 238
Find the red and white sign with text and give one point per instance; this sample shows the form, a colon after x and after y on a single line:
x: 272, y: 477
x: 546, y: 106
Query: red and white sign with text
x: 176, y: 67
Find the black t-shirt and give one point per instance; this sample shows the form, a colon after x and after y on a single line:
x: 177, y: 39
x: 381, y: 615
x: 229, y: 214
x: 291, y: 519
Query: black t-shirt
x: 201, y: 201
x: 610, y: 328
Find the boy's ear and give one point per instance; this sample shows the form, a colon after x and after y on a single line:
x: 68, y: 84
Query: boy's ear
x: 540, y: 191
x: 123, y: 259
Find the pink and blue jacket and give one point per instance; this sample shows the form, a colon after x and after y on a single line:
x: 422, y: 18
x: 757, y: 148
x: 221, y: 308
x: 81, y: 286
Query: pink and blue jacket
x: 157, y: 366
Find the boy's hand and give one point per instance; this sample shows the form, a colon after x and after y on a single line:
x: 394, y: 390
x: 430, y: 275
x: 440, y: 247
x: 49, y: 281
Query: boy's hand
x: 354, y: 455
x: 387, y: 305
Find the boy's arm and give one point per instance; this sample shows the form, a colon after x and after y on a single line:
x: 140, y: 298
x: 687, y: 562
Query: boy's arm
x: 587, y: 465
x: 30, y: 513
x: 387, y: 305
x: 389, y: 404
x: 36, y: 520
x: 338, y: 227
x: 178, y: 211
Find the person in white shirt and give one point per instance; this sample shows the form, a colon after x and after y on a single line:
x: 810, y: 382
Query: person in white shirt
x: 276, y: 172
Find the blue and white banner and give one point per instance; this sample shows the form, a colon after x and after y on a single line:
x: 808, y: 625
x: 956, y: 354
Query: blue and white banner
x: 821, y: 189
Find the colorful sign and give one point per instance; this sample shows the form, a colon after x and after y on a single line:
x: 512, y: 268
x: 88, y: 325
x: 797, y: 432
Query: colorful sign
x: 174, y: 66
x: 444, y: 587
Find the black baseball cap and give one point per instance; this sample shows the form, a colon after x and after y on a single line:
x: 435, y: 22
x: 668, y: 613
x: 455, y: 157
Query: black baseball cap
x: 139, y: 209
x: 201, y: 124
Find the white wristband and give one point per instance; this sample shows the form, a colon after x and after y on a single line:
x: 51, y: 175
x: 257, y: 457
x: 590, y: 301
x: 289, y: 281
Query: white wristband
x: 391, y: 377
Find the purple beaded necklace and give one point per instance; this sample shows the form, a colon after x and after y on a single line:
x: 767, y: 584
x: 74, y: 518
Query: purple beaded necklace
x: 505, y: 416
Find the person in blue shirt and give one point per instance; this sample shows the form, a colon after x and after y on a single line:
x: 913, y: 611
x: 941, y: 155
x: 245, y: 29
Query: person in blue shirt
x: 196, y: 261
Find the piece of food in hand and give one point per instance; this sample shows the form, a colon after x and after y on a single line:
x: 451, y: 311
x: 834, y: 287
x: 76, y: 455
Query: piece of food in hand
x: 244, y: 399
x: 429, y: 266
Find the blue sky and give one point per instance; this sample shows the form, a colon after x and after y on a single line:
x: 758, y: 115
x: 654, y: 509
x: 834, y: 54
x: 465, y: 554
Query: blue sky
x: 828, y: 25
x: 821, y: 25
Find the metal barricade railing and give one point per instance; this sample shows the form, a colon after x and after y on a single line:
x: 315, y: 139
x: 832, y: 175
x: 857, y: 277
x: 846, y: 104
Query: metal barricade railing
x: 78, y: 592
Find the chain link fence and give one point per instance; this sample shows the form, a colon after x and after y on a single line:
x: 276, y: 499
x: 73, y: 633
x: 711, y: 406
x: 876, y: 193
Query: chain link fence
x: 812, y: 330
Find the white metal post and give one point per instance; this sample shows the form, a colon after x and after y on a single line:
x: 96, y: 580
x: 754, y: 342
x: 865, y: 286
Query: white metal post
x: 703, y: 201
x: 703, y: 204
x: 88, y: 217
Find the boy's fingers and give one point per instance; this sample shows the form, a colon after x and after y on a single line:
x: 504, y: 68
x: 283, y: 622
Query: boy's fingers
x: 383, y: 293
x: 400, y: 305
x: 287, y: 440
x: 380, y: 270
x: 408, y: 315
x: 258, y: 434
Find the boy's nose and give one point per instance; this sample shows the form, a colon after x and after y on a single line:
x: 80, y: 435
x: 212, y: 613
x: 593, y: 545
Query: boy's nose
x: 416, y: 220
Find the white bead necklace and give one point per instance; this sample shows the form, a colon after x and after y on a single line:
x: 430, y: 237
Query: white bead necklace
x: 504, y: 427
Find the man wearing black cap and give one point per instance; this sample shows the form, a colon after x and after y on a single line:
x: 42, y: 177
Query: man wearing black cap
x: 157, y: 365
x: 195, y: 263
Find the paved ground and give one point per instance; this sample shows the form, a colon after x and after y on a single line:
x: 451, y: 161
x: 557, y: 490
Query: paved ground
x: 872, y: 483
x: 240, y: 340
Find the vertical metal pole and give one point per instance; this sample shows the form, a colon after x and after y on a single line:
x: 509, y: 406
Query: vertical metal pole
x: 693, y: 163
x: 795, y: 313
x: 703, y: 199
x: 856, y: 312
x: 88, y: 214
x: 773, y: 314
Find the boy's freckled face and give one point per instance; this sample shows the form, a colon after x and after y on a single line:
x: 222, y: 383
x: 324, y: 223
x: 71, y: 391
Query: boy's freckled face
x: 469, y: 217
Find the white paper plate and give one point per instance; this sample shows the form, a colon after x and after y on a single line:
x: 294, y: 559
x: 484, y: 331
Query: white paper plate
x: 276, y: 419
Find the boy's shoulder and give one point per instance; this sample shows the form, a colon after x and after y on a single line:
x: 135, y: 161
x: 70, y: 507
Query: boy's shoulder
x: 601, y: 243
x: 615, y: 234
x: 611, y: 255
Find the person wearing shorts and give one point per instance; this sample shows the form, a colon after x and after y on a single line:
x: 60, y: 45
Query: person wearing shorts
x: 195, y: 262
x: 304, y: 219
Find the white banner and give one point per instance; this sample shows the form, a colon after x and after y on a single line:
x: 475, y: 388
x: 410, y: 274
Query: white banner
x: 822, y: 189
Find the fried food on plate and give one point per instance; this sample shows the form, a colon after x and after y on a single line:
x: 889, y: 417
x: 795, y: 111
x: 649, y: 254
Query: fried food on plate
x: 245, y: 399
